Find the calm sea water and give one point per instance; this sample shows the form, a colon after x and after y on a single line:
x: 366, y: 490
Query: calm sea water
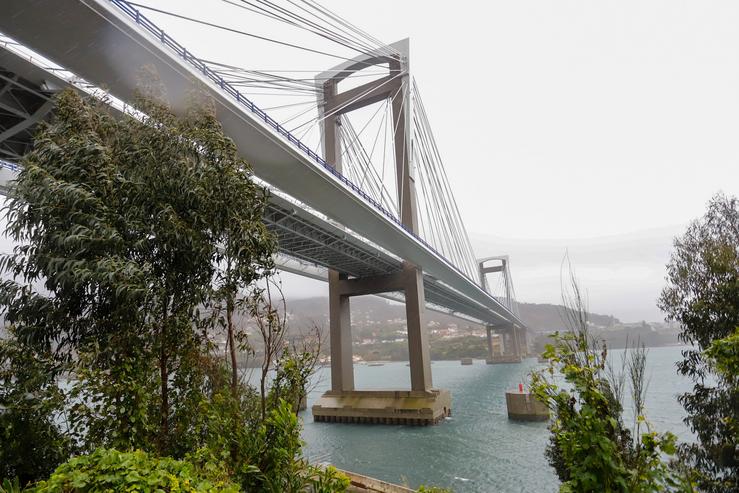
x: 478, y: 449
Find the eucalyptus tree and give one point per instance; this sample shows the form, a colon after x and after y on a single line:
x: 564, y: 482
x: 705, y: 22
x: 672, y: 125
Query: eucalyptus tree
x: 245, y: 248
x: 123, y: 225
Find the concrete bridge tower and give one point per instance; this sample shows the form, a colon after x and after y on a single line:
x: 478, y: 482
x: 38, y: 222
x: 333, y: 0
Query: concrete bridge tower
x: 421, y: 404
x: 512, y: 339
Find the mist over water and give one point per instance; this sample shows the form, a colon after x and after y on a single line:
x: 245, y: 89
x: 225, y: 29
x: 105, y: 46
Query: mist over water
x: 478, y: 449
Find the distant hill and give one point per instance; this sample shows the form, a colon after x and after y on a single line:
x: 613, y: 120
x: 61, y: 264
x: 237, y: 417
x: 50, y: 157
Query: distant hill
x: 538, y: 317
x: 546, y: 317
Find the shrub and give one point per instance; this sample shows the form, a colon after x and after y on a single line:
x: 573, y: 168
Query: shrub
x: 112, y: 470
x: 327, y: 480
x: 591, y: 448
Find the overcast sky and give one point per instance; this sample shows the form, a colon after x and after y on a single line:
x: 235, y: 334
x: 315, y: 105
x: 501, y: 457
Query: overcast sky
x: 600, y: 128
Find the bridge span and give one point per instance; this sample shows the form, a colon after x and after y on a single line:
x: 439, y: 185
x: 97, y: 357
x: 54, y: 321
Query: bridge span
x: 323, y: 220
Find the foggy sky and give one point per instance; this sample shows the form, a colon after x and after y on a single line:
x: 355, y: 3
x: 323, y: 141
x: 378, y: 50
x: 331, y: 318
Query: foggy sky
x: 590, y: 127
x: 597, y: 128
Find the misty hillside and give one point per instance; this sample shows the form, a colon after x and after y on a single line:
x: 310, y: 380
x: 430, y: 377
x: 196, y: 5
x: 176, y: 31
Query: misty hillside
x: 538, y: 317
x: 548, y: 317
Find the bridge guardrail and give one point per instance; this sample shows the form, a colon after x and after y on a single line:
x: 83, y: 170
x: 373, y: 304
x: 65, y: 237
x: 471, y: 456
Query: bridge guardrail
x: 8, y: 165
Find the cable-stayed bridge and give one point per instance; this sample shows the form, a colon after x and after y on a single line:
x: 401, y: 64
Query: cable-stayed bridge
x: 360, y: 196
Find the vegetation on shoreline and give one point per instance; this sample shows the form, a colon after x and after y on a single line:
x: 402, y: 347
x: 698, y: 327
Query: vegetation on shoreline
x: 702, y: 295
x: 591, y: 448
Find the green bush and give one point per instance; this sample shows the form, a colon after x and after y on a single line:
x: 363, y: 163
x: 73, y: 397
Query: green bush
x: 591, y: 447
x: 279, y: 464
x: 327, y: 480
x: 9, y: 486
x: 111, y: 470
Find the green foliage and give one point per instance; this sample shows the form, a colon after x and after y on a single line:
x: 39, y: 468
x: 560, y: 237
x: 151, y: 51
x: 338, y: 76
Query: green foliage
x: 277, y: 460
x: 294, y: 369
x: 139, y: 239
x: 702, y: 295
x: 112, y: 470
x: 326, y: 480
x: 8, y: 486
x: 279, y: 443
x: 590, y: 447
x: 32, y: 443
x: 124, y: 221
x: 723, y: 356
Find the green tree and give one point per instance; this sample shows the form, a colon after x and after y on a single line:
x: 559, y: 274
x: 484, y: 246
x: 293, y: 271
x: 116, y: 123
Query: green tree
x: 702, y: 295
x: 74, y: 289
x: 120, y: 219
x: 139, y: 237
x: 245, y: 246
x: 293, y: 371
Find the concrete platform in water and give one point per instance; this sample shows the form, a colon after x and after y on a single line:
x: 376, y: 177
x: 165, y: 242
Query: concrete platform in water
x: 406, y: 407
x: 524, y: 406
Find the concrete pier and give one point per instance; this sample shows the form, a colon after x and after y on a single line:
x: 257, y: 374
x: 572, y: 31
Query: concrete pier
x: 404, y: 407
x: 524, y: 406
x: 509, y: 347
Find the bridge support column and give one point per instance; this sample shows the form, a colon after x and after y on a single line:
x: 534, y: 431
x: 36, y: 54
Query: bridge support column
x: 510, y: 348
x: 422, y: 404
x: 491, y: 353
x: 342, y: 365
x: 418, y: 343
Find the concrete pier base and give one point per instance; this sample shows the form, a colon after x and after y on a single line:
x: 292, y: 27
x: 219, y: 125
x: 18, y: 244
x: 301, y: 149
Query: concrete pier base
x: 524, y: 406
x: 409, y: 407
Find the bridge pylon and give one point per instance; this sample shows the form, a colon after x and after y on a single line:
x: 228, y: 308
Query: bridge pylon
x: 422, y: 404
x: 512, y: 345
